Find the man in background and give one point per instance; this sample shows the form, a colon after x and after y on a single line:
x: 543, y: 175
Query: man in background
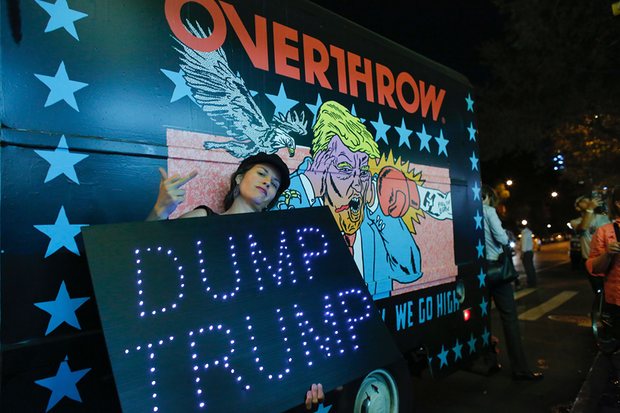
x: 585, y: 226
x: 527, y: 256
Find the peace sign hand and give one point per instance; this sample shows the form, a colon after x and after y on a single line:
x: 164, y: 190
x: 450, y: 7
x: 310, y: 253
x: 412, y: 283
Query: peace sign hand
x: 170, y: 193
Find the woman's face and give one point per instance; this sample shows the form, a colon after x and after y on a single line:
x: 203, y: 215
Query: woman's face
x: 259, y: 185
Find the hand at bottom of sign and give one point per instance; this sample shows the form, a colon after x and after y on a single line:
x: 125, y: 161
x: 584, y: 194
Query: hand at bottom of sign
x: 314, y: 396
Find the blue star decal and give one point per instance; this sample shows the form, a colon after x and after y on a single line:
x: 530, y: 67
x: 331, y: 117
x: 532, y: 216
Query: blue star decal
x: 484, y: 304
x: 324, y: 409
x: 181, y: 89
x: 63, y: 384
x: 62, y: 309
x: 457, y: 350
x: 61, y: 87
x: 282, y: 103
x: 472, y: 132
x: 61, y: 234
x: 474, y: 161
x: 381, y: 129
x: 485, y: 337
x: 470, y: 103
x: 472, y: 344
x: 424, y: 139
x: 482, y: 278
x: 443, y: 357
x: 354, y: 113
x: 476, y: 191
x: 315, y: 108
x: 61, y: 16
x: 478, y: 220
x: 404, y: 134
x: 62, y: 162
x: 480, y: 249
x: 442, y: 143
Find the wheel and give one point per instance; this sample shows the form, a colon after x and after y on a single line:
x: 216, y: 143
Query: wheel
x: 601, y: 326
x: 378, y: 393
x: 385, y: 390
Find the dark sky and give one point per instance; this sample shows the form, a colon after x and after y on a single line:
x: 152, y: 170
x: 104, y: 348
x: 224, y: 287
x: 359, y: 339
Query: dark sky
x: 447, y: 31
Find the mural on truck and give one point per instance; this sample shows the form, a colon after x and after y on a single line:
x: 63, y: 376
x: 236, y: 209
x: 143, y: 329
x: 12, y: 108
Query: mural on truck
x: 97, y: 95
x: 376, y: 200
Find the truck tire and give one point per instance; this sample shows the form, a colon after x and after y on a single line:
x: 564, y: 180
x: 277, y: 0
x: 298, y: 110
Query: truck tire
x: 385, y: 390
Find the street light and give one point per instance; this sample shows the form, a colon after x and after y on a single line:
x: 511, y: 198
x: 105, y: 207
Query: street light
x: 524, y: 222
x: 548, y: 225
x: 509, y: 182
x: 554, y: 194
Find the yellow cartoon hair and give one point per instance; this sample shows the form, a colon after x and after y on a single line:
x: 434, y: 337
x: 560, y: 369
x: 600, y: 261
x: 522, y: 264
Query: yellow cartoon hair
x: 335, y: 119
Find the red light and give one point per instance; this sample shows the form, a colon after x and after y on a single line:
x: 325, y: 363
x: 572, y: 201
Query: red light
x: 466, y: 314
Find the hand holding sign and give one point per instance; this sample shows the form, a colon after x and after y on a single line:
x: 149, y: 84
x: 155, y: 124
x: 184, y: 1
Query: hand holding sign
x: 170, y: 194
x: 314, y: 396
x: 233, y: 312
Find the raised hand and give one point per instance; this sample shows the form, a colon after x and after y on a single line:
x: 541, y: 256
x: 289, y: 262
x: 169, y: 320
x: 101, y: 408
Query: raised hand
x: 314, y: 396
x: 170, y: 194
x: 613, y: 248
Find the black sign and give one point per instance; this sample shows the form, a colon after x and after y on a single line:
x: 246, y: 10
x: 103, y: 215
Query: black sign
x: 232, y: 312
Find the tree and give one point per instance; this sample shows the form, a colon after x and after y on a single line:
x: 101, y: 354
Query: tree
x: 591, y: 149
x: 556, y: 67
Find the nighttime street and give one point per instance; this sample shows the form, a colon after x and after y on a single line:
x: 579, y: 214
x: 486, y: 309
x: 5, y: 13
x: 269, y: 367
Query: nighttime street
x: 555, y: 325
x: 311, y: 205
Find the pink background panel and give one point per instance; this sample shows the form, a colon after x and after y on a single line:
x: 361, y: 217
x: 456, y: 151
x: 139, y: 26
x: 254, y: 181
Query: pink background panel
x: 434, y: 238
x: 185, y: 154
x: 214, y: 167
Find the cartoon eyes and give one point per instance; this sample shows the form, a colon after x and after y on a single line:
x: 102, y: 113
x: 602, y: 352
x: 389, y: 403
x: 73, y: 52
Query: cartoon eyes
x: 348, y: 169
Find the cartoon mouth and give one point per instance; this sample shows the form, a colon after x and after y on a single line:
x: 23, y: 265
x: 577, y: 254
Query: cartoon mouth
x: 353, y: 205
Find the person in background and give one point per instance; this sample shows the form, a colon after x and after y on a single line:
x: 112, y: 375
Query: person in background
x: 603, y: 261
x: 494, y: 237
x: 527, y: 256
x: 604, y: 264
x: 585, y: 226
x: 254, y: 187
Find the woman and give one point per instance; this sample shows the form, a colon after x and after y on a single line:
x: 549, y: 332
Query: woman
x: 494, y: 237
x: 604, y: 262
x: 255, y: 186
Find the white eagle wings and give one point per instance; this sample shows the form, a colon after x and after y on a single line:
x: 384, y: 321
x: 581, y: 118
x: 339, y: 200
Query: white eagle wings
x: 228, y: 102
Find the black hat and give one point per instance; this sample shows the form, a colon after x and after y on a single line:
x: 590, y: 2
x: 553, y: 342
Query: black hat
x: 273, y: 160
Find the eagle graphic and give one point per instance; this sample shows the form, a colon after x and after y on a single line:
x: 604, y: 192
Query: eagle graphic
x: 228, y: 102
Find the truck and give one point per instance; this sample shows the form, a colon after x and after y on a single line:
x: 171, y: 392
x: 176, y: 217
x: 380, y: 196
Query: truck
x: 97, y: 95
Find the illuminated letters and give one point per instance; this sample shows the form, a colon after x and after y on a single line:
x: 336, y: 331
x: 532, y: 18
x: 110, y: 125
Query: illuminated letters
x: 145, y: 305
x: 277, y: 342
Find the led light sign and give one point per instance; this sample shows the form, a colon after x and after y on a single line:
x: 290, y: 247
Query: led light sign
x: 232, y: 312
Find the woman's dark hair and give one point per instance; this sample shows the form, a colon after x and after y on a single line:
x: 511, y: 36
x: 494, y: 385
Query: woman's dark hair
x: 488, y: 192
x: 246, y: 165
x: 233, y: 192
x: 614, y: 197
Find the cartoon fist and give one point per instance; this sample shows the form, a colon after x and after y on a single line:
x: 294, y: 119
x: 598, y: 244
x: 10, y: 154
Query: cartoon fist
x: 396, y: 193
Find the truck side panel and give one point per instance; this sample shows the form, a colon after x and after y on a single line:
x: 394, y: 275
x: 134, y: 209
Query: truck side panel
x: 93, y: 105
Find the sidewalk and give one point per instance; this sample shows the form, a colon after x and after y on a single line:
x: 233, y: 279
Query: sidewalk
x: 598, y: 394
